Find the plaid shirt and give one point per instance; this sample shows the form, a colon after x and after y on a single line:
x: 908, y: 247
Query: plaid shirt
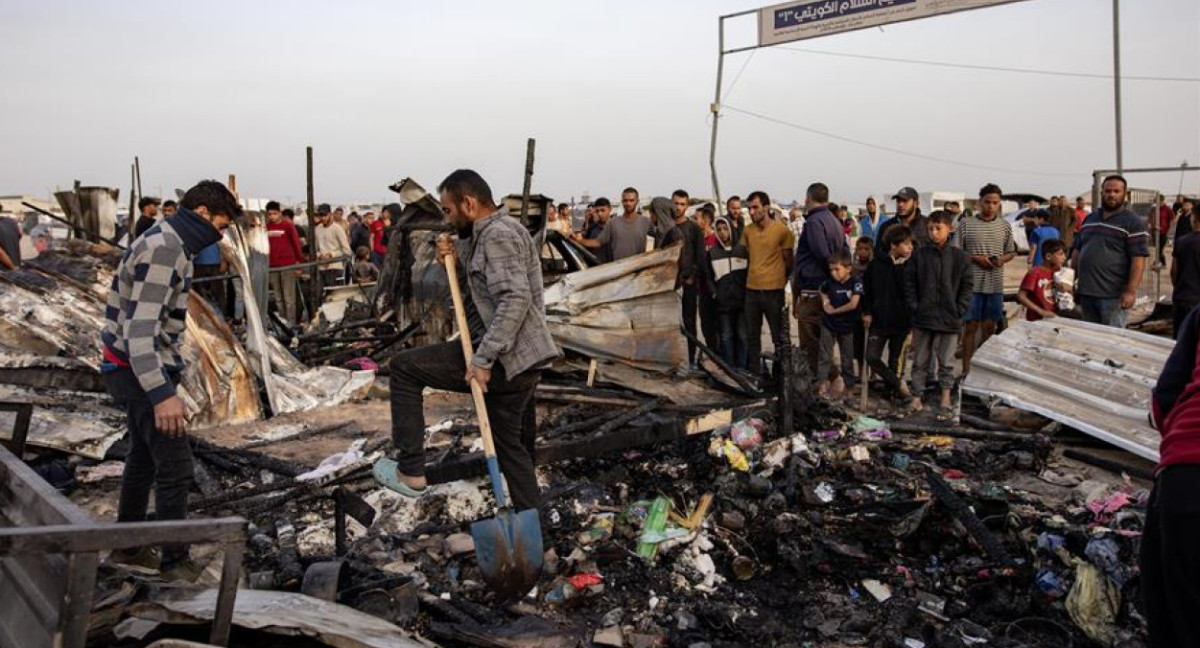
x: 505, y: 276
x: 146, y: 310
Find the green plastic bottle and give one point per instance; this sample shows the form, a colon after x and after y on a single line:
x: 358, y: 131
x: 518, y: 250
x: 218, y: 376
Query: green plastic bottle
x: 654, y: 530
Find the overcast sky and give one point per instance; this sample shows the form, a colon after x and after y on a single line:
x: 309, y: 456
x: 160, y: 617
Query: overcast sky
x: 616, y: 93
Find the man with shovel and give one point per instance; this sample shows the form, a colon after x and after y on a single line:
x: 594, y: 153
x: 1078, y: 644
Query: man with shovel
x: 500, y: 265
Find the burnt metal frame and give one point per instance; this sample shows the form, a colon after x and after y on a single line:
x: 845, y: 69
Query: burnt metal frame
x: 69, y: 531
x: 20, y: 427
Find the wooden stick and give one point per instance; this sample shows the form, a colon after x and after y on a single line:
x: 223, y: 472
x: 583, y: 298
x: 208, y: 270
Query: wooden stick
x: 592, y: 367
x: 865, y: 372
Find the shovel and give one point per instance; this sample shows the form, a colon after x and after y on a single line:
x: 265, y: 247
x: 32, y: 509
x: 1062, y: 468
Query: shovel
x: 508, y: 547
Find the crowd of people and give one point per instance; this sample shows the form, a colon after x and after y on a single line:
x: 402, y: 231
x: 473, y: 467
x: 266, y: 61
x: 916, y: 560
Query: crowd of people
x: 867, y: 287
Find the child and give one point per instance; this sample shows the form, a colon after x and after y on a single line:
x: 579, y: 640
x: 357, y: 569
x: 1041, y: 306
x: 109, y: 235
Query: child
x: 1037, y: 293
x: 864, y: 250
x: 1042, y: 233
x: 364, y: 270
x: 839, y: 301
x: 885, y: 313
x: 728, y: 264
x: 937, y: 288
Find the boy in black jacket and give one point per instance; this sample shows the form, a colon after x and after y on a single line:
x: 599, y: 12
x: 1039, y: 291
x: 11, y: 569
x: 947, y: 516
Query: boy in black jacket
x: 937, y: 288
x: 727, y: 264
x: 885, y: 312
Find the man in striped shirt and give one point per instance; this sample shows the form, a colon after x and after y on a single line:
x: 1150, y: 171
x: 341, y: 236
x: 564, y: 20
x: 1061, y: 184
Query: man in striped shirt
x: 144, y: 320
x: 1109, y: 257
x: 988, y: 241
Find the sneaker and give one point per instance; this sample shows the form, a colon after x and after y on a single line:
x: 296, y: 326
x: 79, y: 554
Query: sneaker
x: 184, y: 570
x: 142, y: 558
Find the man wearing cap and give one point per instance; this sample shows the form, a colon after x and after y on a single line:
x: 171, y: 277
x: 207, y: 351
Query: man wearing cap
x: 988, y: 241
x: 148, y: 210
x: 332, y: 242
x: 907, y: 213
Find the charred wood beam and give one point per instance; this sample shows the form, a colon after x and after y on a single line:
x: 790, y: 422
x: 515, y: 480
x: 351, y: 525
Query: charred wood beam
x: 249, y: 457
x: 962, y: 512
x: 1110, y: 464
x: 631, y: 435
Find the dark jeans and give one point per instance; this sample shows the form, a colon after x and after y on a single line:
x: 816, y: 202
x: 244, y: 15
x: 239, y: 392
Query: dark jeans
x: 1103, y: 310
x: 808, y: 329
x: 1170, y: 559
x: 759, y: 304
x: 509, y: 408
x: 845, y: 345
x: 891, y: 373
x: 690, y: 303
x: 1179, y: 313
x: 732, y: 335
x: 154, y: 461
x: 708, y: 321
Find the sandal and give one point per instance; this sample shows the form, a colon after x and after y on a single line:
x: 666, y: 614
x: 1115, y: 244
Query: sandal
x: 945, y: 414
x: 385, y: 474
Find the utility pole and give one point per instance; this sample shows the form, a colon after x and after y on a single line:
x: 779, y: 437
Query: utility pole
x: 715, y: 108
x: 529, y: 146
x: 1117, y: 79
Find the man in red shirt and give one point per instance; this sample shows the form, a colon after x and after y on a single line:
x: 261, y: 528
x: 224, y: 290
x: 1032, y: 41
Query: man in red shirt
x: 285, y: 251
x: 1081, y: 212
x: 1170, y: 554
x: 1037, y: 292
x: 379, y: 231
x: 1165, y: 216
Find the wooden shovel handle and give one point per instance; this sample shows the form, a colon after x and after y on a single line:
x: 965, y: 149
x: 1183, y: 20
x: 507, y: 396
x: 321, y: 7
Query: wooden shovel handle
x: 464, y: 335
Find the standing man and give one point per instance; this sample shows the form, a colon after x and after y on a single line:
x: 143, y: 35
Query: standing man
x: 625, y: 235
x: 691, y: 267
x: 769, y: 244
x: 823, y: 235
x: 332, y: 242
x: 601, y: 212
x: 1163, y: 225
x: 169, y: 208
x: 907, y: 213
x: 1183, y: 220
x: 147, y: 215
x: 1185, y: 275
x: 503, y: 272
x: 733, y: 213
x: 988, y: 241
x: 1062, y: 218
x: 140, y: 342
x: 285, y: 251
x: 1109, y: 257
x: 1081, y: 213
x: 870, y: 222
x: 360, y: 231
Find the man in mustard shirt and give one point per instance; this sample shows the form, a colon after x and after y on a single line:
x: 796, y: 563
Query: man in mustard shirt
x: 769, y: 244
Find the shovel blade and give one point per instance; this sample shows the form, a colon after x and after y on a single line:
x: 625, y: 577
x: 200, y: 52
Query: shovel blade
x: 508, y: 549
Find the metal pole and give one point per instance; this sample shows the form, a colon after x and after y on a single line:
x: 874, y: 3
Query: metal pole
x: 1117, y: 79
x: 716, y: 111
x: 529, y: 146
x: 137, y: 165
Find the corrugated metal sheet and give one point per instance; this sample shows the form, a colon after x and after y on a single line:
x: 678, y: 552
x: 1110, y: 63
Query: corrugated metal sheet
x: 1094, y: 378
x: 626, y: 311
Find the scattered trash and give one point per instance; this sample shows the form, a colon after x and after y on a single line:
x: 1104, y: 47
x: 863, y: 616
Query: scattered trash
x: 747, y: 433
x: 721, y: 447
x: 879, y: 590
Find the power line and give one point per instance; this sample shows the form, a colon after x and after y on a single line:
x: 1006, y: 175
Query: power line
x: 889, y: 149
x: 729, y: 90
x: 990, y: 68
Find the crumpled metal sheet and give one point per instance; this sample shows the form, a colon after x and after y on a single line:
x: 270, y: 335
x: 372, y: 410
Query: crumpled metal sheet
x: 1094, y: 378
x: 218, y: 384
x: 626, y: 311
x: 283, y: 613
x: 299, y: 388
x: 73, y: 422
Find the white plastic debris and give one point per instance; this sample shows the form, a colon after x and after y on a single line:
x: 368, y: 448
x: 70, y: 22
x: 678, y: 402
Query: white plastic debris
x: 333, y: 463
x: 879, y: 590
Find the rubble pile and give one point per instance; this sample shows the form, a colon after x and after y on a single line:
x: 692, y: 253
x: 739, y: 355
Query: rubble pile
x: 848, y: 534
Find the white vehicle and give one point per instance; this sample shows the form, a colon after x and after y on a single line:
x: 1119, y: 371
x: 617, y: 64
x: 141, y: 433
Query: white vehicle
x: 1016, y: 222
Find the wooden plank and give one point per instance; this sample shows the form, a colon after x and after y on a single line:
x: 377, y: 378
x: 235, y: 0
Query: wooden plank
x: 127, y: 535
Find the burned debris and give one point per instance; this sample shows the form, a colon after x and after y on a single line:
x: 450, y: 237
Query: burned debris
x: 677, y: 510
